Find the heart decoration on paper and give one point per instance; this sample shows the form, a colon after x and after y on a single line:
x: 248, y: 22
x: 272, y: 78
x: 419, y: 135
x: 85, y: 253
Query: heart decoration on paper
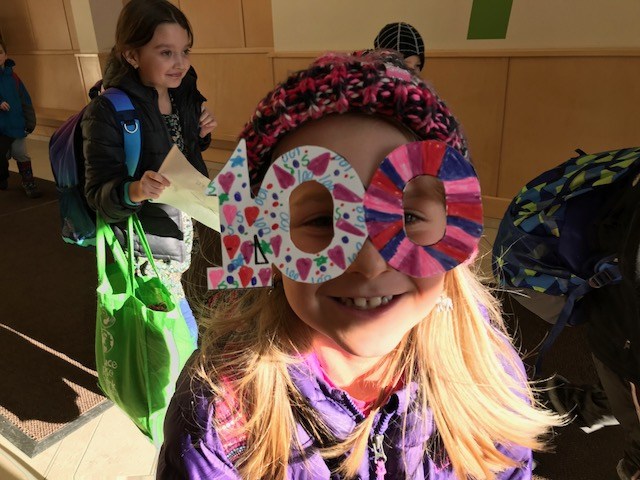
x: 251, y: 213
x: 285, y: 179
x: 265, y: 275
x: 229, y: 212
x: 340, y: 192
x: 226, y: 180
x: 247, y: 250
x: 276, y: 243
x: 347, y: 227
x: 304, y: 266
x: 214, y: 275
x: 231, y: 244
x: 336, y: 255
x: 319, y: 164
x: 246, y: 274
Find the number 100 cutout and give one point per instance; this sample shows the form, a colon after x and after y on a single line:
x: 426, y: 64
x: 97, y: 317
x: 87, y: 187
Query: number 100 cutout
x: 255, y: 231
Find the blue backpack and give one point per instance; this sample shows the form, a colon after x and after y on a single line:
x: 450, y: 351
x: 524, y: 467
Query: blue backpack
x: 67, y: 163
x: 545, y: 246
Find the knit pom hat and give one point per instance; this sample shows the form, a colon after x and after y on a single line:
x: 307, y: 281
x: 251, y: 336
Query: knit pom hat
x: 376, y: 83
x: 403, y: 38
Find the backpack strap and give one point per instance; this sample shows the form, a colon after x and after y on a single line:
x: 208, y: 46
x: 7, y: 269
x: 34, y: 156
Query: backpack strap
x: 607, y: 272
x: 128, y: 117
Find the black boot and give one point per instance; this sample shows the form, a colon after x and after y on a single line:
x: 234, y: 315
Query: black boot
x: 28, y: 182
x: 5, y: 145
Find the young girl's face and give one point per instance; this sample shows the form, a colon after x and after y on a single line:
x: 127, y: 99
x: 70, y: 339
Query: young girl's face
x: 368, y: 309
x: 163, y: 62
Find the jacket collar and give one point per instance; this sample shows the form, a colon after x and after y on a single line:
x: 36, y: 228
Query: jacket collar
x: 8, y: 67
x: 338, y: 407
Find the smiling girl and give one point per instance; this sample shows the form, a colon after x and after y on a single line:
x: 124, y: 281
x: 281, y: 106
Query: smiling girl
x: 382, y: 358
x: 150, y: 63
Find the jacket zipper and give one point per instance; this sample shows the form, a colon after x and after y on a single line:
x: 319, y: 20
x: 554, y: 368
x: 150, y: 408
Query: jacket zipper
x: 377, y: 440
x: 377, y: 445
x: 379, y: 457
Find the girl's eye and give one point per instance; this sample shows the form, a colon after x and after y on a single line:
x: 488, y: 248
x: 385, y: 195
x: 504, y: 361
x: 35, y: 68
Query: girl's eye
x: 166, y: 53
x: 187, y: 52
x: 412, y: 218
x: 322, y: 221
x: 312, y: 233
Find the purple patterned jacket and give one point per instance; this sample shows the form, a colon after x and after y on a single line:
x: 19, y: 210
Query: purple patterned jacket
x: 193, y: 449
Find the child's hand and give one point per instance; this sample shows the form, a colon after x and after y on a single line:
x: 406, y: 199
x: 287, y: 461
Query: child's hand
x: 5, y: 106
x: 207, y: 122
x: 150, y: 186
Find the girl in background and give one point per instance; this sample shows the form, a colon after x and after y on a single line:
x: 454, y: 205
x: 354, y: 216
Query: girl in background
x: 17, y: 120
x: 403, y: 38
x: 150, y: 63
x: 394, y: 369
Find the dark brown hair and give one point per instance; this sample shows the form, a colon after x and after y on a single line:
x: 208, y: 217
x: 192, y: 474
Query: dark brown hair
x: 136, y: 26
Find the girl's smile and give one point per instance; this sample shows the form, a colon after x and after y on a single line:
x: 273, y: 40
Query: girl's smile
x: 364, y: 303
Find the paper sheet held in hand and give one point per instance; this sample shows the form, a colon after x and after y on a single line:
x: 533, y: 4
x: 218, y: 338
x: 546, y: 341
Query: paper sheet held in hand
x: 187, y: 190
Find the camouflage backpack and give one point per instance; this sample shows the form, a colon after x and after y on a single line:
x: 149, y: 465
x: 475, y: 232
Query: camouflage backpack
x: 545, y: 244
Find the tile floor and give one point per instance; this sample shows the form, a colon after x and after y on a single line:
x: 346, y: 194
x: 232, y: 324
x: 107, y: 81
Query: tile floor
x: 108, y: 447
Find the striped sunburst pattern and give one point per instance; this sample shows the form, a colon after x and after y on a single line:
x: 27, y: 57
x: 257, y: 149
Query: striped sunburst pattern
x: 384, y: 212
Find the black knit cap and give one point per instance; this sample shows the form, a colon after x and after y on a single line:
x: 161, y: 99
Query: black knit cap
x: 402, y: 37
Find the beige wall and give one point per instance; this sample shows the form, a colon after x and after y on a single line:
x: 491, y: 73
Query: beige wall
x: 524, y: 108
x: 311, y: 25
x: 525, y: 113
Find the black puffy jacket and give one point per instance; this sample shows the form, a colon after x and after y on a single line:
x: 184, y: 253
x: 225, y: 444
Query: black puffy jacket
x: 106, y: 172
x: 613, y: 311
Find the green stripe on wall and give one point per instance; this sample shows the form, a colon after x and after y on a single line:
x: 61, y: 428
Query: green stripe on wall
x: 489, y: 19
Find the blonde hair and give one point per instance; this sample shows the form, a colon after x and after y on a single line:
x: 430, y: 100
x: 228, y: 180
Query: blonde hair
x: 473, y: 385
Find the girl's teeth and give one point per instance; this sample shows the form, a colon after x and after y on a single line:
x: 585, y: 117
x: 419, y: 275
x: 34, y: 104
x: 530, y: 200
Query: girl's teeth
x: 366, y: 303
x: 360, y: 302
x: 375, y: 302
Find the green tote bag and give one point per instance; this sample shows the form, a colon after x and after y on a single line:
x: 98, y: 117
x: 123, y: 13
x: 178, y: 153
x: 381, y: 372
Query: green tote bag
x: 142, y: 340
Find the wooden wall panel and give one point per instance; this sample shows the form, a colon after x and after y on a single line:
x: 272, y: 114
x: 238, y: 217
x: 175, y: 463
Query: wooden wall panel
x: 216, y: 158
x: 102, y: 58
x: 474, y: 90
x: 555, y: 105
x: 91, y: 71
x: 49, y: 23
x: 215, y: 23
x: 15, y: 26
x: 258, y: 23
x: 52, y: 80
x: 284, y: 66
x: 233, y: 83
x: 73, y: 33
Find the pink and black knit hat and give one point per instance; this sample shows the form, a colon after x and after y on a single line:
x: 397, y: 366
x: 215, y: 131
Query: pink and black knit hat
x: 376, y: 83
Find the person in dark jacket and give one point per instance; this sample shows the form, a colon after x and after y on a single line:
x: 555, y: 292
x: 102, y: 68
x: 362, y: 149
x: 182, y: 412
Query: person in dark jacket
x: 150, y: 62
x: 17, y: 120
x: 614, y: 323
x: 612, y: 314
